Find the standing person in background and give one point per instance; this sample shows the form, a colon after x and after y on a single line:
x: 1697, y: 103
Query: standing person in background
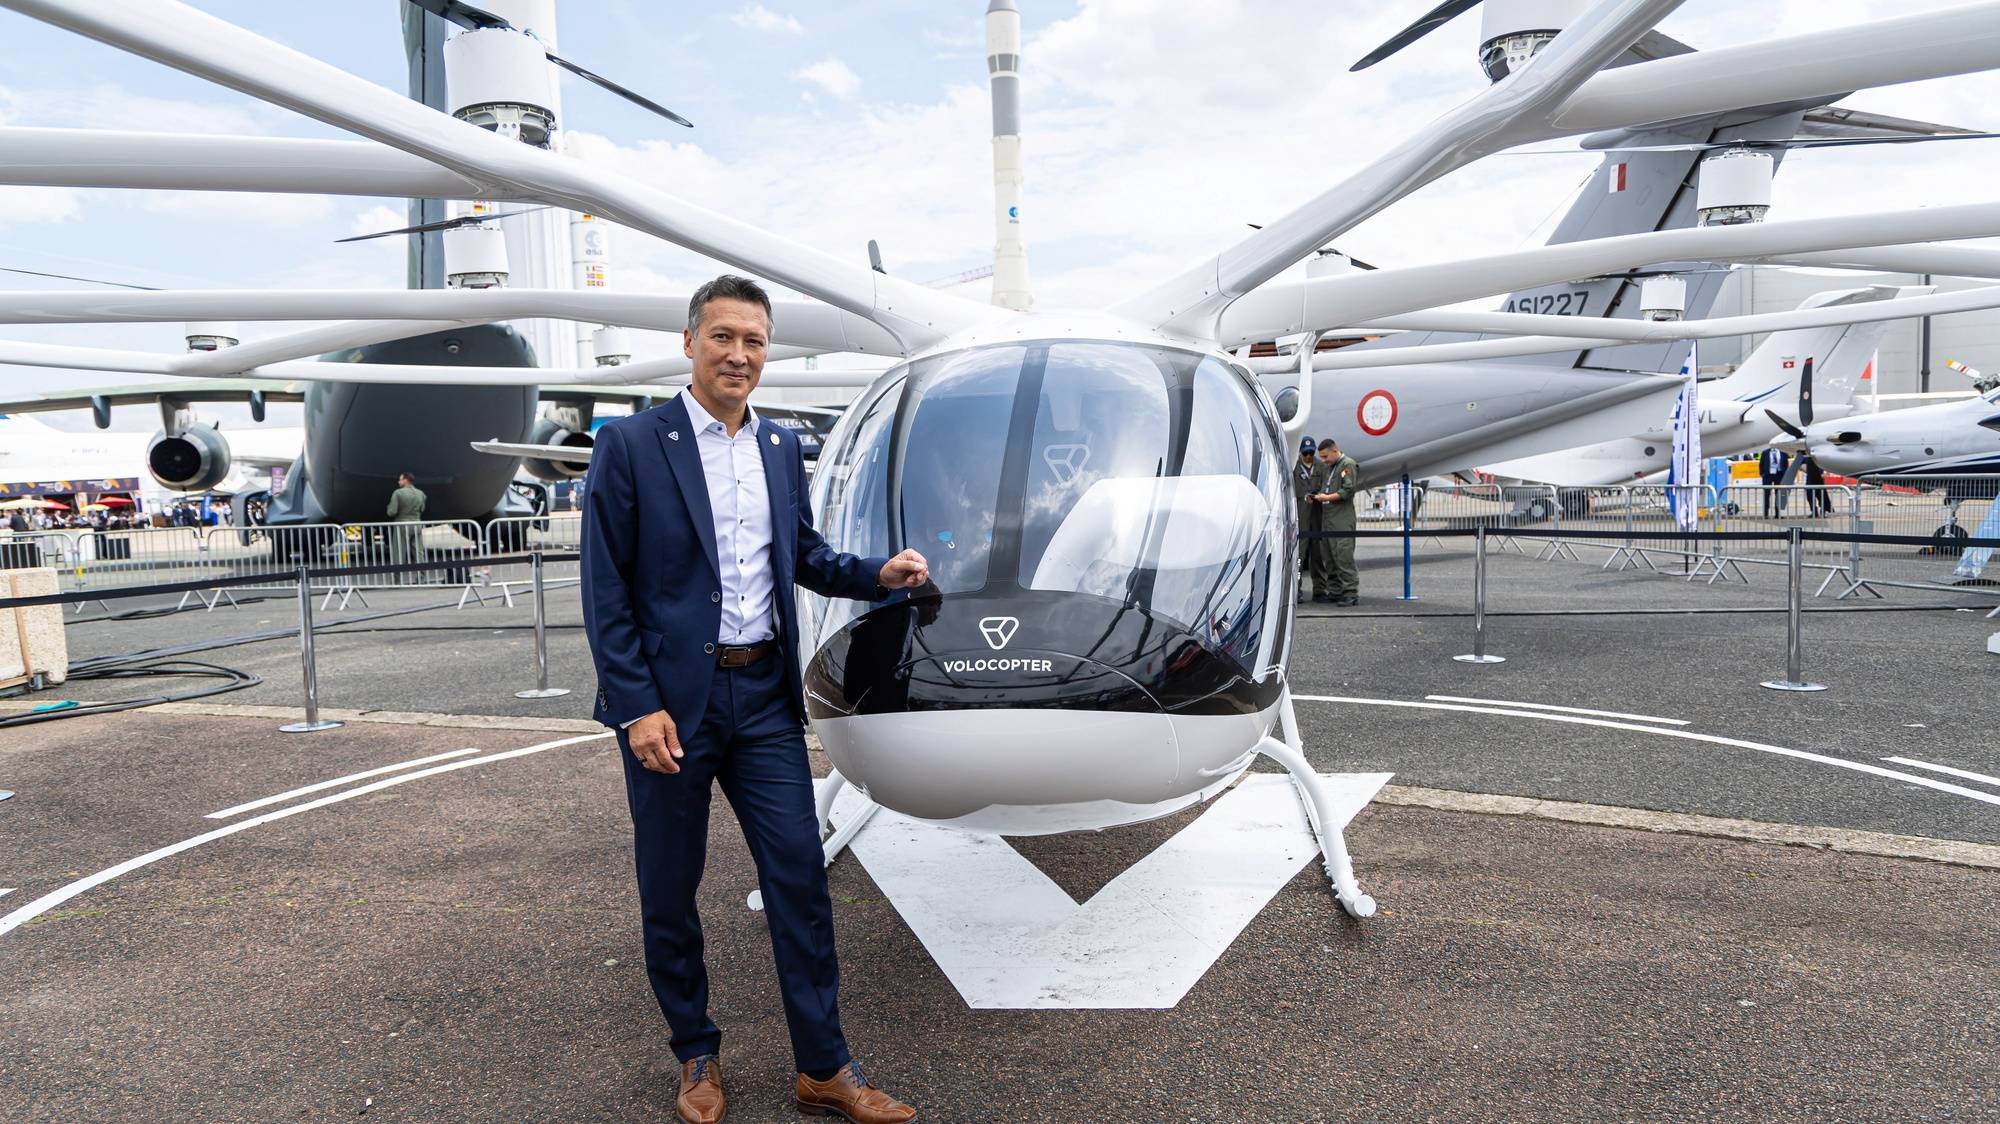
x: 1771, y: 465
x: 1337, y: 491
x: 406, y: 505
x: 1304, y: 484
x: 1818, y: 503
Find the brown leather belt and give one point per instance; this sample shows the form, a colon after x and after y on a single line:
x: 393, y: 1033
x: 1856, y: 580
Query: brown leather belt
x: 742, y: 655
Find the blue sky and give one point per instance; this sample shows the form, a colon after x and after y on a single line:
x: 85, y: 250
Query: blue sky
x: 1154, y: 132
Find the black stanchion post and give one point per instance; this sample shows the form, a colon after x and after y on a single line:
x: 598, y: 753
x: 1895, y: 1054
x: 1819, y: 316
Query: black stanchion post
x: 1408, y: 594
x: 313, y: 722
x: 1795, y: 620
x: 542, y: 689
x: 1479, y: 603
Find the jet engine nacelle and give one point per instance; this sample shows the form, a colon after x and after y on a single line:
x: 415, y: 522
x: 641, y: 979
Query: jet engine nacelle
x: 194, y: 460
x: 548, y: 431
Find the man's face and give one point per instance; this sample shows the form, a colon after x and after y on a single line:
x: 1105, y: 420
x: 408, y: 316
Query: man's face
x: 1329, y: 456
x: 728, y: 352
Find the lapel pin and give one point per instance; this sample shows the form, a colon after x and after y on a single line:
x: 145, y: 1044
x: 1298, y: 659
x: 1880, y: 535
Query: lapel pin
x: 774, y: 439
x: 673, y: 435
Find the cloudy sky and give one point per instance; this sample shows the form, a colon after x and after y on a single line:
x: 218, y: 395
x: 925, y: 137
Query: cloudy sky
x: 1154, y: 133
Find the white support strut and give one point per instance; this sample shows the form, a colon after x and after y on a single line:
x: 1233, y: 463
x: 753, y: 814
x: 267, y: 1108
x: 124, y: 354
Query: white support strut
x: 1319, y: 810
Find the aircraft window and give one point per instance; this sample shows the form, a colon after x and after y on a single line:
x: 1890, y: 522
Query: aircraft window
x: 954, y: 441
x: 854, y: 493
x: 1151, y: 482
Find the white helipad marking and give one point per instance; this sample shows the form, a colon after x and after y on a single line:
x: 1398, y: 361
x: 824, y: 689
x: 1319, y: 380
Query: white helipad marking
x: 1736, y: 743
x: 1559, y: 709
x: 8, y: 890
x: 1962, y: 774
x: 50, y: 900
x: 334, y: 783
x: 1008, y: 937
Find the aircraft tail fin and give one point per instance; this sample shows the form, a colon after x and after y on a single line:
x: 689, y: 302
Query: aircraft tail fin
x: 1812, y: 370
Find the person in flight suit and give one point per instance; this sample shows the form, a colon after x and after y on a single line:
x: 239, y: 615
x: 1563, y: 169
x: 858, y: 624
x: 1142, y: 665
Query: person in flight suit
x: 1303, y: 487
x: 406, y: 505
x: 1340, y: 481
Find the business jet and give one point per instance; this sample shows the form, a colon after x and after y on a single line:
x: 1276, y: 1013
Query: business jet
x: 1807, y: 373
x: 1104, y: 494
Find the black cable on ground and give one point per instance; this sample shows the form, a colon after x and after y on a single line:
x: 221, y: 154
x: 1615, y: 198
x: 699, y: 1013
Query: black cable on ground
x: 234, y: 680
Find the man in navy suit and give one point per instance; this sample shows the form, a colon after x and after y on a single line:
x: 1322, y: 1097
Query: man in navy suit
x: 696, y: 527
x: 1771, y: 466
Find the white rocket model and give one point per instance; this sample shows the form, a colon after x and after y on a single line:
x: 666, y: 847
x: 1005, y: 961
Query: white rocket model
x: 1003, y: 66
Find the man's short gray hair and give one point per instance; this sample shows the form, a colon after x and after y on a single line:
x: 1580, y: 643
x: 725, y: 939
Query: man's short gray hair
x: 731, y: 288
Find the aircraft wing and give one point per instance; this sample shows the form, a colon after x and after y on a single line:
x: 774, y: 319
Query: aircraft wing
x: 1837, y: 122
x: 146, y: 394
x: 578, y: 455
x: 1625, y: 460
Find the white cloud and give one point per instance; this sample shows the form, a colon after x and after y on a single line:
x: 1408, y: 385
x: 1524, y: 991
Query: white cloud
x: 757, y: 17
x: 39, y: 205
x: 283, y: 211
x: 832, y: 75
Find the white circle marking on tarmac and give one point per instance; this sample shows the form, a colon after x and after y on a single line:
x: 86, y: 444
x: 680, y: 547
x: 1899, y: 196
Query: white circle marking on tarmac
x: 54, y: 898
x: 1735, y: 743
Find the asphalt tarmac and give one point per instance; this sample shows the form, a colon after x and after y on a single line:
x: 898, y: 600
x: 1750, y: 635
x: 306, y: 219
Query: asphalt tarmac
x: 463, y: 944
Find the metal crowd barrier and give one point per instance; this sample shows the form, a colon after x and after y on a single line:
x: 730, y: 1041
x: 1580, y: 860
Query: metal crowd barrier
x: 305, y: 578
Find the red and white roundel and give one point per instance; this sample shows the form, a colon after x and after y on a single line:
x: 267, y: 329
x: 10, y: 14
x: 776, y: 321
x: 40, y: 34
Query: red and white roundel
x: 1377, y: 413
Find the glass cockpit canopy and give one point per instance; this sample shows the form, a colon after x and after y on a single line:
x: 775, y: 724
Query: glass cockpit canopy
x: 1146, y: 475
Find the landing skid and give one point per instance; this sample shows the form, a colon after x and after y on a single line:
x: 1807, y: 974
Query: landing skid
x: 823, y: 811
x: 1319, y: 810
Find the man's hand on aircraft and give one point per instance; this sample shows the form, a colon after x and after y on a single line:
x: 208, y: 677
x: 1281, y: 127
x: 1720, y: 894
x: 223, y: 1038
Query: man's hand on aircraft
x: 907, y: 570
x: 656, y: 743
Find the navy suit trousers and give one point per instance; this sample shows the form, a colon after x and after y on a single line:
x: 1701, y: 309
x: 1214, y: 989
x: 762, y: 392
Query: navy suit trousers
x: 751, y: 741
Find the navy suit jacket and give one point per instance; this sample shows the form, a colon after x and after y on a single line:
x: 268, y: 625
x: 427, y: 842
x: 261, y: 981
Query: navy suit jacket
x: 652, y: 591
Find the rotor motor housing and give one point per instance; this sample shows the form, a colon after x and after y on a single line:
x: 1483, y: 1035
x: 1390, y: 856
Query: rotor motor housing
x: 501, y: 80
x: 1735, y: 187
x: 211, y: 335
x: 1511, y: 32
x: 475, y: 257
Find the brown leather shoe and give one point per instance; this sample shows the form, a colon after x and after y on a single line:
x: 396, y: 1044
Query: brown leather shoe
x: 701, y: 1100
x: 849, y: 1094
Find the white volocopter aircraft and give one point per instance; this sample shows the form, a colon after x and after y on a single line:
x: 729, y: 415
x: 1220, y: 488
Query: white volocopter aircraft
x: 1103, y: 493
x: 1809, y: 373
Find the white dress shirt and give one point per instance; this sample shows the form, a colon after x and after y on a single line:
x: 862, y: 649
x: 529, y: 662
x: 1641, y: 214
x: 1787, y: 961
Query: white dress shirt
x: 741, y: 506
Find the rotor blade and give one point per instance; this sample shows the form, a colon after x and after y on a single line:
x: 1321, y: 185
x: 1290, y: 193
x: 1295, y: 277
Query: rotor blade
x: 1788, y: 427
x: 1806, y: 393
x: 442, y: 224
x: 639, y: 100
x: 462, y: 14
x: 1430, y: 21
x: 68, y: 277
x: 1717, y: 146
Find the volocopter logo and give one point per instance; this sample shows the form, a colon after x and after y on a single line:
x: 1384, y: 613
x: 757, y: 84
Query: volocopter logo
x: 998, y: 631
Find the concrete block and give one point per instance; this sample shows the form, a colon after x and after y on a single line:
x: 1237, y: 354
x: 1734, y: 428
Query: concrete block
x: 31, y: 639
